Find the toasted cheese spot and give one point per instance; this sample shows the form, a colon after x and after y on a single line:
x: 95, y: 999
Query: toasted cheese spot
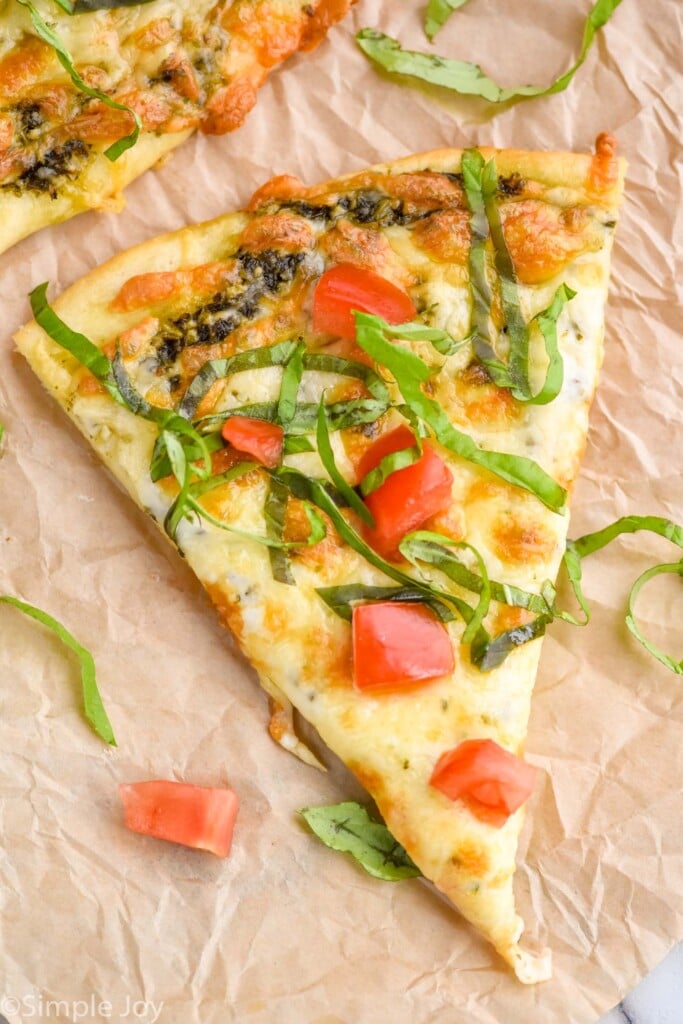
x: 604, y: 171
x: 152, y: 35
x: 277, y: 231
x: 365, y: 248
x: 23, y: 66
x: 159, y: 395
x: 230, y: 613
x: 228, y: 107
x: 178, y: 71
x: 373, y: 782
x: 225, y: 459
x: 99, y: 123
x: 425, y: 190
x: 6, y: 132
x: 509, y: 617
x: 132, y: 341
x: 543, y: 238
x: 162, y: 286
x: 322, y: 16
x: 473, y: 398
x: 272, y: 28
x: 283, y: 186
x: 471, y: 859
x: 326, y: 553
x: 451, y: 523
x: 445, y: 236
x: 89, y: 385
x: 520, y: 540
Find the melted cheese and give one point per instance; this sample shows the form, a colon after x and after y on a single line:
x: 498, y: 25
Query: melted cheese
x: 293, y: 640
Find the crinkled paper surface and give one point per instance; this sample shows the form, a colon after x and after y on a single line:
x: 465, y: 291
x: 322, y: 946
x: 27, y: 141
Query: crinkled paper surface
x: 284, y: 930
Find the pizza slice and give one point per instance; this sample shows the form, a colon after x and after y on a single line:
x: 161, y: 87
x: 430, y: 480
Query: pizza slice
x: 177, y: 67
x: 358, y: 410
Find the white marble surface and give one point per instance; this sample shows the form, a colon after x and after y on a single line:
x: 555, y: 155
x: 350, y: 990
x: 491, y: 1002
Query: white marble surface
x: 658, y: 999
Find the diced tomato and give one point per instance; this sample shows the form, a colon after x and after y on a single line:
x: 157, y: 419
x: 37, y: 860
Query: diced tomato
x: 258, y: 438
x: 398, y: 645
x: 408, y: 497
x: 491, y: 780
x: 345, y: 288
x: 194, y: 816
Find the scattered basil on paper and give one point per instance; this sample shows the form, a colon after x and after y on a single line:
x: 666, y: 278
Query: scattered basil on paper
x: 349, y: 828
x: 92, y: 701
x: 438, y: 13
x: 465, y: 78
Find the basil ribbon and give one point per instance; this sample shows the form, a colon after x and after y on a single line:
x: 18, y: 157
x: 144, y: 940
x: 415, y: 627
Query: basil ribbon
x: 349, y: 828
x: 463, y: 77
x: 49, y: 36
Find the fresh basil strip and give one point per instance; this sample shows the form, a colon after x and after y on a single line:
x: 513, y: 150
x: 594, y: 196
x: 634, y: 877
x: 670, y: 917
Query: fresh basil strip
x: 410, y: 372
x: 161, y: 466
x: 487, y: 652
x: 327, y: 458
x: 468, y: 79
x: 180, y: 468
x: 435, y: 546
x: 656, y: 652
x: 80, y: 347
x: 438, y: 13
x: 299, y: 417
x: 220, y: 369
x: 275, y: 512
x: 296, y: 445
x: 390, y: 464
x: 342, y: 599
x: 289, y: 387
x: 427, y: 546
x: 315, y: 492
x: 92, y: 700
x: 49, y: 36
x: 444, y: 343
x: 481, y: 186
x: 340, y: 415
x: 349, y: 828
x: 84, y: 6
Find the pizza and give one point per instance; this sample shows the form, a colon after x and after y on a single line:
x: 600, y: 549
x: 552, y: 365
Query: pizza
x: 177, y: 66
x: 358, y: 409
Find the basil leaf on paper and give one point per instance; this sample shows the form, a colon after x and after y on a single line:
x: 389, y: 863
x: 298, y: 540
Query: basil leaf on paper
x: 348, y: 828
x: 438, y: 13
x: 410, y: 373
x: 468, y: 79
x: 49, y: 36
x: 92, y: 700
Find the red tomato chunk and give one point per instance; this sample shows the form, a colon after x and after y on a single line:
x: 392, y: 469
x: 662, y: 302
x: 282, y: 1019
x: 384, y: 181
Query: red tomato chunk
x: 194, y: 816
x: 345, y: 288
x: 398, y: 645
x: 408, y: 497
x: 492, y: 781
x: 258, y: 438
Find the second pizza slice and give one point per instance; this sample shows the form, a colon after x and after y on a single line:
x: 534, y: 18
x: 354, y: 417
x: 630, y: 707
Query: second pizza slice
x: 358, y: 410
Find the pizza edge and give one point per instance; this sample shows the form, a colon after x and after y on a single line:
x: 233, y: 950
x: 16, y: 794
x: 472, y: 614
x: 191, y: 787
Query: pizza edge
x: 185, y: 245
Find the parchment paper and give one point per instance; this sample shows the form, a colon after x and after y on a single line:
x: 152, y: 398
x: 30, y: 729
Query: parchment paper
x: 95, y: 919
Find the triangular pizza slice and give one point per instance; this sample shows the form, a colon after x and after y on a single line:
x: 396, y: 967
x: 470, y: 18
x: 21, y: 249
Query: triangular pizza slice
x: 74, y: 78
x: 358, y: 409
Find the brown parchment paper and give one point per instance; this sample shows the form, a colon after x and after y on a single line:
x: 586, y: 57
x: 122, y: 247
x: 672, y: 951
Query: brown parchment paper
x: 94, y: 921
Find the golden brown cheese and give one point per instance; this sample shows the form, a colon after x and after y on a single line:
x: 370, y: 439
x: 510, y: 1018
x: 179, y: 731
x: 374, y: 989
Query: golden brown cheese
x: 300, y: 649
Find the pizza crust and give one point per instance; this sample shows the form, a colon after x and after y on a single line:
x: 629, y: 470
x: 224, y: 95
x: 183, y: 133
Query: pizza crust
x: 292, y: 639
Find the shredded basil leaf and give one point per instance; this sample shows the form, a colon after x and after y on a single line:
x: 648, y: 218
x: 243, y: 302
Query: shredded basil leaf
x: 410, y: 372
x: 315, y: 492
x: 220, y: 369
x: 92, y: 700
x: 274, y: 512
x: 327, y: 458
x: 438, y: 13
x: 481, y: 186
x: 296, y: 445
x: 84, y: 6
x: 660, y: 655
x: 390, y: 464
x: 488, y: 652
x: 468, y: 79
x: 342, y: 599
x: 289, y: 387
x: 49, y: 36
x: 80, y: 347
x: 349, y: 828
